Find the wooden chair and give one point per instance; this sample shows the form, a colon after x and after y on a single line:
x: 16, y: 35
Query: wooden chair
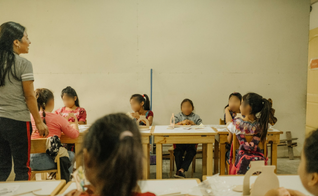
x: 222, y: 122
x: 262, y: 145
x: 172, y: 159
x: 39, y: 146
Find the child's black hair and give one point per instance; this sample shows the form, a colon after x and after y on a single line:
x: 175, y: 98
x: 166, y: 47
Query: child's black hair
x: 119, y: 161
x: 142, y: 98
x: 311, y: 152
x: 187, y: 100
x: 235, y: 94
x: 43, y: 96
x: 262, y: 106
x: 70, y: 92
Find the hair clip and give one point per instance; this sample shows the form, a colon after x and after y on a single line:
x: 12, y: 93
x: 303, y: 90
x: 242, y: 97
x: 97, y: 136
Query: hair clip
x: 125, y: 134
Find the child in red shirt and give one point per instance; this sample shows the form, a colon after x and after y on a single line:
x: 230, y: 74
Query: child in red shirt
x: 140, y: 104
x: 71, y: 102
x: 113, y: 157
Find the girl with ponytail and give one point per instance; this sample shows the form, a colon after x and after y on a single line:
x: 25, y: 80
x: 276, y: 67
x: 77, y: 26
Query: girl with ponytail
x: 56, y: 124
x: 140, y: 104
x: 113, y: 157
x: 257, y: 112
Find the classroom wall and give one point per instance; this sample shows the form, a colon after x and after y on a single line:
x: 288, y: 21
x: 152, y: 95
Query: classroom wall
x: 312, y: 88
x: 203, y: 50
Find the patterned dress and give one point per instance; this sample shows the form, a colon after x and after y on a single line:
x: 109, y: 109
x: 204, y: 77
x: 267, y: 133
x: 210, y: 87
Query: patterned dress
x: 248, y: 151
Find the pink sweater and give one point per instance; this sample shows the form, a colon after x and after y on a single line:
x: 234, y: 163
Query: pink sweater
x: 56, y: 125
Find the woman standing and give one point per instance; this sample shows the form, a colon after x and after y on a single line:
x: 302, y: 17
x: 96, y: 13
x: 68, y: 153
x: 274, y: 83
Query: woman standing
x: 17, y: 100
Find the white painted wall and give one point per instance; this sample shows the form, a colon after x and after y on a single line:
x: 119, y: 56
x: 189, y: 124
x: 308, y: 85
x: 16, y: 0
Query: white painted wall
x: 203, y: 50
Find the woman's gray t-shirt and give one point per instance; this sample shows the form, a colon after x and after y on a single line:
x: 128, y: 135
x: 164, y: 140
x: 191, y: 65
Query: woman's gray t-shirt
x: 12, y: 100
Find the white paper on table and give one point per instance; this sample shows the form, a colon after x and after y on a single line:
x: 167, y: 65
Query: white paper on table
x: 83, y: 128
x: 221, y: 128
x: 145, y: 130
x: 8, y: 190
x: 165, y: 129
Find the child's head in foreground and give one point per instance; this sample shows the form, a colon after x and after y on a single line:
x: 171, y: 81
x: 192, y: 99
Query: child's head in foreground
x: 113, y: 155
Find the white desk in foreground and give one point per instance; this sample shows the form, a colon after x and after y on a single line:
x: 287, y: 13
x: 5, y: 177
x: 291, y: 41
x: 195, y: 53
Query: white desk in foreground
x: 287, y: 181
x: 49, y: 187
x: 182, y: 135
x: 158, y: 187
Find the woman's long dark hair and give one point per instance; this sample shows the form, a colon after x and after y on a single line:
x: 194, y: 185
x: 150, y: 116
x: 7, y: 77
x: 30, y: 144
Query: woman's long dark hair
x: 263, y: 107
x: 70, y: 92
x: 9, y: 32
x: 118, y: 160
x: 43, y: 96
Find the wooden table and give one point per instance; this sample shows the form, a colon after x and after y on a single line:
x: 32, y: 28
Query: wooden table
x: 273, y: 138
x: 206, y: 136
x: 49, y: 187
x: 157, y: 187
x: 78, y: 142
x: 287, y: 181
x: 145, y: 140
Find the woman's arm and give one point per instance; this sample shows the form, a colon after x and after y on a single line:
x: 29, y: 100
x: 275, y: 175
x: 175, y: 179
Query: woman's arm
x: 28, y: 90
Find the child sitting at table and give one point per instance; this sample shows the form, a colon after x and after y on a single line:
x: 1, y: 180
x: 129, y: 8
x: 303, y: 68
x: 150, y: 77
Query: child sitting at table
x: 185, y: 117
x: 233, y: 107
x: 56, y: 125
x: 256, y: 112
x: 307, y: 169
x: 140, y: 104
x: 113, y: 157
x: 230, y: 112
x: 71, y: 105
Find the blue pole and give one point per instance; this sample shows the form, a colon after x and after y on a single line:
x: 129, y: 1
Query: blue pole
x: 150, y: 89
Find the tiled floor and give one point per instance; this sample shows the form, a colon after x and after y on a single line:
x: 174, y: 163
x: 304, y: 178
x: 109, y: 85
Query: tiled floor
x: 285, y: 166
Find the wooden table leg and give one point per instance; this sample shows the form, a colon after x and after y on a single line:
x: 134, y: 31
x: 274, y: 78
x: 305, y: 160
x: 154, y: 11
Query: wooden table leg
x: 159, y: 161
x: 209, y: 161
x: 204, y: 159
x: 79, y: 157
x: 145, y: 161
x: 216, y: 157
x: 148, y: 161
x: 274, y: 155
x: 222, y: 158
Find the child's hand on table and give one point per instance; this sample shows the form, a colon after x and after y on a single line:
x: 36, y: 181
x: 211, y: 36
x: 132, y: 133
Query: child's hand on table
x: 135, y: 115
